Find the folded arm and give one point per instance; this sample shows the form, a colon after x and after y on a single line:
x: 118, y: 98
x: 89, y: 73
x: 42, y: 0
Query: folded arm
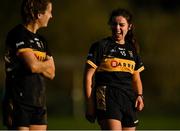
x: 46, y: 67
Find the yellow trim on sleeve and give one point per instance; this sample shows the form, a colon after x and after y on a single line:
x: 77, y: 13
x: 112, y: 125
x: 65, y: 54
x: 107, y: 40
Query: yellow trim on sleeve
x: 140, y: 69
x: 91, y: 63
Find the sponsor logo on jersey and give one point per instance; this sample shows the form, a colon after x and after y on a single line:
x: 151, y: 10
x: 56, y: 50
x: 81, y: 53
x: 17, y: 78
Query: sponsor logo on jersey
x: 36, y: 39
x: 31, y: 41
x: 121, y: 48
x: 117, y: 64
x: 19, y: 43
x: 130, y: 54
x: 114, y: 63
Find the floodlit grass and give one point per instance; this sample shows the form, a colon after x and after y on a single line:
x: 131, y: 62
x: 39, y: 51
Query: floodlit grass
x: 146, y: 123
x: 71, y: 124
x: 165, y: 122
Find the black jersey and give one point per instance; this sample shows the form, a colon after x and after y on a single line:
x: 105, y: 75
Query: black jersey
x: 114, y: 63
x: 21, y: 84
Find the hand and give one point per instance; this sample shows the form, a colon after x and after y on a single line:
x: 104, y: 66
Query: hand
x: 7, y: 110
x: 90, y: 118
x: 49, y: 72
x: 90, y: 111
x: 139, y: 103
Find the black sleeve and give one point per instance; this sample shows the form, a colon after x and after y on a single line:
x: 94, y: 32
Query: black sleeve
x: 139, y: 64
x: 47, y: 50
x: 95, y: 54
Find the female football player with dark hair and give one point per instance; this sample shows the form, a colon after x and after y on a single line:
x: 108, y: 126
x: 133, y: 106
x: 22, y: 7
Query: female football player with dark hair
x: 115, y: 94
x: 28, y: 62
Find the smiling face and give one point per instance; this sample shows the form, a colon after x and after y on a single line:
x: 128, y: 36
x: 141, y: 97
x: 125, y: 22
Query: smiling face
x: 119, y: 28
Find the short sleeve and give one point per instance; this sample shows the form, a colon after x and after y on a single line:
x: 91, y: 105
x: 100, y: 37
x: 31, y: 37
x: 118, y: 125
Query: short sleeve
x: 94, y: 55
x: 139, y: 64
x: 17, y: 42
x: 23, y: 45
x: 47, y: 49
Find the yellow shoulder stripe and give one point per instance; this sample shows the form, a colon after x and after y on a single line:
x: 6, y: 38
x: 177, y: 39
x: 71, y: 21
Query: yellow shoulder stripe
x: 24, y: 49
x: 140, y: 69
x: 91, y: 63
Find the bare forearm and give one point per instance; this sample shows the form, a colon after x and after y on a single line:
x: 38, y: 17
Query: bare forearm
x: 46, y: 67
x: 88, y: 81
x: 88, y: 89
x: 138, y: 87
x: 137, y: 84
x: 40, y: 66
x: 49, y: 71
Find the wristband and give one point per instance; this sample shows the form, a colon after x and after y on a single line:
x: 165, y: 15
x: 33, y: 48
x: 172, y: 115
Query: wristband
x: 141, y: 95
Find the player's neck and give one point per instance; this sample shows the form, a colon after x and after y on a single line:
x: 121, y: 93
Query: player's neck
x: 32, y: 27
x: 119, y: 41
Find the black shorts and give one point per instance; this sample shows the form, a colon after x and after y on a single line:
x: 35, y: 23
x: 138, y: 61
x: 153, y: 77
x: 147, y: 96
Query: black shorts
x: 25, y: 115
x: 113, y: 103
